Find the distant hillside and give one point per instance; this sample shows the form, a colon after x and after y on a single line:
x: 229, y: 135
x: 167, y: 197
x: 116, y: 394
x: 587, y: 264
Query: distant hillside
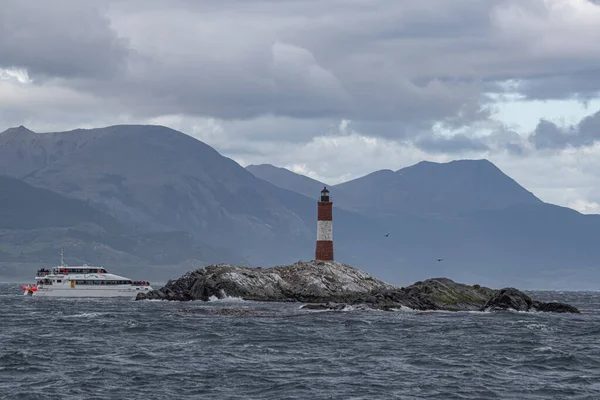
x: 157, y: 179
x: 175, y: 198
x: 468, y: 220
x: 35, y: 223
x: 23, y: 206
x: 436, y: 189
x: 287, y: 179
x: 427, y: 188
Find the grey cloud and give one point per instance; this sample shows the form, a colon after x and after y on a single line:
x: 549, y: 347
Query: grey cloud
x: 580, y: 85
x: 504, y: 139
x: 242, y: 60
x: 281, y: 129
x: 548, y: 135
x: 65, y: 38
x: 455, y: 144
x: 594, y: 194
x: 515, y: 149
x: 394, y: 68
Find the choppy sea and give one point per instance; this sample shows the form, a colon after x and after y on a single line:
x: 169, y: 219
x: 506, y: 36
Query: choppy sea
x: 231, y: 349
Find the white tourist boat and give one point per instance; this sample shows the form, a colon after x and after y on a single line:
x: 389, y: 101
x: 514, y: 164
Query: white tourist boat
x: 83, y: 281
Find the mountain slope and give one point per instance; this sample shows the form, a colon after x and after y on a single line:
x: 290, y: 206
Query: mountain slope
x: 287, y: 179
x: 465, y: 220
x: 155, y: 178
x: 23, y: 206
x: 35, y: 223
x: 436, y: 189
x: 469, y: 221
x: 533, y: 246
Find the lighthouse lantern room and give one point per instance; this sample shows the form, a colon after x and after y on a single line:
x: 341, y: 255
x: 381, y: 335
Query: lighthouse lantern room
x: 325, y: 195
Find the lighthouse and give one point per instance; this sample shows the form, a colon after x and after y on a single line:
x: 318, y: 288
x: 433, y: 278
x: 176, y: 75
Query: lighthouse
x: 324, y: 250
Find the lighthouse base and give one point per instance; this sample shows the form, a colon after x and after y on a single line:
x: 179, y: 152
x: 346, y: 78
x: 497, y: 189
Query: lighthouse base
x: 324, y: 251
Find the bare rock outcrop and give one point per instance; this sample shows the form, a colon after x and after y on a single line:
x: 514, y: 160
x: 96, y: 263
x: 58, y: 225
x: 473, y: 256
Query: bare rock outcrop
x: 329, y: 285
x: 513, y: 299
x: 431, y: 294
x: 312, y: 282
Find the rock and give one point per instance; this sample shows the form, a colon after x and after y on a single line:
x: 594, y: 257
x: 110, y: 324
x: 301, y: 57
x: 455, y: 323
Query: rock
x: 513, y: 299
x: 432, y: 294
x: 316, y: 307
x: 329, y: 285
x: 439, y: 294
x: 324, y: 307
x: 509, y: 299
x: 556, y: 307
x: 311, y: 282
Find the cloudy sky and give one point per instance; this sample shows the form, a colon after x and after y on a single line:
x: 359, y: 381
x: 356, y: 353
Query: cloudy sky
x: 333, y: 89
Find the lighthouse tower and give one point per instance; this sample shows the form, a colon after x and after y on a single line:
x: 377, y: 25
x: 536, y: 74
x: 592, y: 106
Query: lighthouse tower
x: 324, y: 250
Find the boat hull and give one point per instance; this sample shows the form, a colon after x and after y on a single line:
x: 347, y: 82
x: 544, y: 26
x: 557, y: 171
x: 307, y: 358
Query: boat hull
x: 91, y: 292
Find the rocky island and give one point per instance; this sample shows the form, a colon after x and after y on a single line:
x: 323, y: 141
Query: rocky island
x: 332, y: 285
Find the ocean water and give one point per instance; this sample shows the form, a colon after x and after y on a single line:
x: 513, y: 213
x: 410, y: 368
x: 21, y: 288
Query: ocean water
x: 123, y: 349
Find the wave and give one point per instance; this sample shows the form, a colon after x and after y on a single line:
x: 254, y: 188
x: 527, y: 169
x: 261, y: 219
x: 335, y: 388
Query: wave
x: 225, y: 298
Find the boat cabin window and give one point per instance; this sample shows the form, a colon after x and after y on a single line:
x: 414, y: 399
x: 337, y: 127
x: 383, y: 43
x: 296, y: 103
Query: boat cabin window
x: 86, y: 270
x: 103, y: 282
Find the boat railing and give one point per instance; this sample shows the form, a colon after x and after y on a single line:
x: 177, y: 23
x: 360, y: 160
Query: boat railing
x: 68, y: 271
x: 140, y: 283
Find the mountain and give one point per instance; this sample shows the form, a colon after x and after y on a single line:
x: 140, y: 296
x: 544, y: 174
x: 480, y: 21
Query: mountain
x: 424, y: 189
x: 467, y: 220
x: 436, y: 189
x: 35, y: 223
x: 155, y: 179
x: 287, y: 179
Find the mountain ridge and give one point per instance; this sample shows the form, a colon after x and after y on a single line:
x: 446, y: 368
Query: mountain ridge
x: 521, y: 236
x: 429, y: 188
x: 357, y: 194
x: 287, y: 179
x: 481, y: 224
x: 155, y: 178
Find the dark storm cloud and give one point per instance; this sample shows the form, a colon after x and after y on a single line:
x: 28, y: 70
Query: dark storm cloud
x: 66, y: 38
x: 392, y: 67
x: 241, y: 60
x: 548, y: 135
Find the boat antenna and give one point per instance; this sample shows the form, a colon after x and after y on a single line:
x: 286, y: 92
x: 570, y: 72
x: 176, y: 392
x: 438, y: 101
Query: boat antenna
x: 62, y: 256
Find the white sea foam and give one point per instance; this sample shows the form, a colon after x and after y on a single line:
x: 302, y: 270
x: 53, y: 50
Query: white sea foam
x: 84, y: 315
x: 404, y: 309
x: 539, y: 327
x: 358, y: 307
x: 226, y: 298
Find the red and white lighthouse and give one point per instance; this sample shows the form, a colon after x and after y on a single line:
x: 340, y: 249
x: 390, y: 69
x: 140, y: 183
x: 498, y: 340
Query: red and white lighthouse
x: 324, y: 250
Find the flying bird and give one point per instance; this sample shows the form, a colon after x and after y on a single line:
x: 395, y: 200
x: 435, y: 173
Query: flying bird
x: 387, y: 234
x: 440, y: 259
